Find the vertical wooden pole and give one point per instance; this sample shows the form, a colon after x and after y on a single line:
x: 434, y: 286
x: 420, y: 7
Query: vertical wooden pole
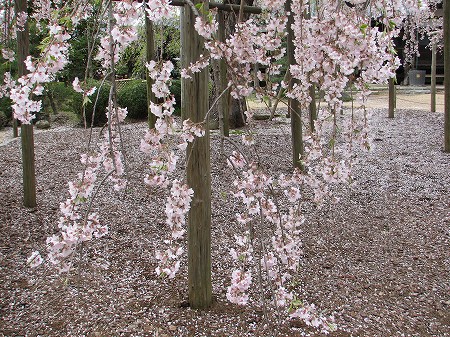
x: 27, y: 138
x: 183, y: 42
x: 293, y: 105
x: 433, y: 77
x: 150, y: 54
x: 7, y: 30
x: 198, y: 170
x: 15, y: 128
x: 312, y: 89
x: 312, y: 107
x: 447, y: 75
x: 224, y: 103
x: 391, y: 98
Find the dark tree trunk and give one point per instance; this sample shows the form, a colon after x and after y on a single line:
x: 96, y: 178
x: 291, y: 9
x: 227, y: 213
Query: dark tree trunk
x: 29, y: 176
x: 198, y: 170
x: 237, y: 107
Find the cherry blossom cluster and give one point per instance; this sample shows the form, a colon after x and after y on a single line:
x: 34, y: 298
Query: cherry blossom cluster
x: 252, y: 43
x: 8, y: 54
x: 272, y: 234
x: 77, y: 87
x: 78, y: 223
x: 159, y: 143
x: 42, y: 70
x: 123, y: 33
x: 334, y: 48
x: 157, y: 9
x: 177, y: 206
x: 53, y: 59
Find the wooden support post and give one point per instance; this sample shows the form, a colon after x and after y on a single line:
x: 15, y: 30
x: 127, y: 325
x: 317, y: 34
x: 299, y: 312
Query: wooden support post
x: 293, y: 105
x: 183, y: 41
x: 198, y: 170
x: 392, y: 98
x: 312, y: 107
x: 447, y: 75
x: 150, y: 54
x: 224, y: 102
x: 433, y: 77
x: 15, y: 128
x: 29, y: 176
x: 312, y: 89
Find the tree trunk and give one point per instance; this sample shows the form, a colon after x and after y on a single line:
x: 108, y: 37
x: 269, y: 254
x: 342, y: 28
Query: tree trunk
x: 447, y: 75
x: 433, y: 78
x: 293, y: 105
x: 198, y: 170
x: 391, y: 98
x: 237, y: 107
x: 312, y: 107
x: 29, y: 176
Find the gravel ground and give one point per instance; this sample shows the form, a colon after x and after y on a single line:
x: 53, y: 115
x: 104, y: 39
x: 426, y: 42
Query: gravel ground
x: 378, y: 260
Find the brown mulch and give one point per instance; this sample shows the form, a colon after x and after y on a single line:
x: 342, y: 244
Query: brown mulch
x: 378, y: 260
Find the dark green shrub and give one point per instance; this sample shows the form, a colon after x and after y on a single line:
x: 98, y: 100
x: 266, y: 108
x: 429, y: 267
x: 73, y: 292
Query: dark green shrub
x: 62, y: 94
x: 100, y: 98
x: 133, y: 96
x: 3, y: 119
x: 5, y: 107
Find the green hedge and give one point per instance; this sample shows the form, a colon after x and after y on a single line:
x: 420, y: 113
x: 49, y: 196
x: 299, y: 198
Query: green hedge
x: 3, y: 119
x: 133, y: 96
x: 101, y: 103
x: 62, y: 93
x: 5, y: 107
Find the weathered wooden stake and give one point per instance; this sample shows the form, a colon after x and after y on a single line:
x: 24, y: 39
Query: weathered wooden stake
x: 198, y: 170
x: 433, y: 77
x: 293, y: 105
x: 312, y: 107
x: 224, y: 102
x: 392, y: 98
x: 29, y: 176
x: 15, y: 128
x: 150, y: 54
x: 447, y: 75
